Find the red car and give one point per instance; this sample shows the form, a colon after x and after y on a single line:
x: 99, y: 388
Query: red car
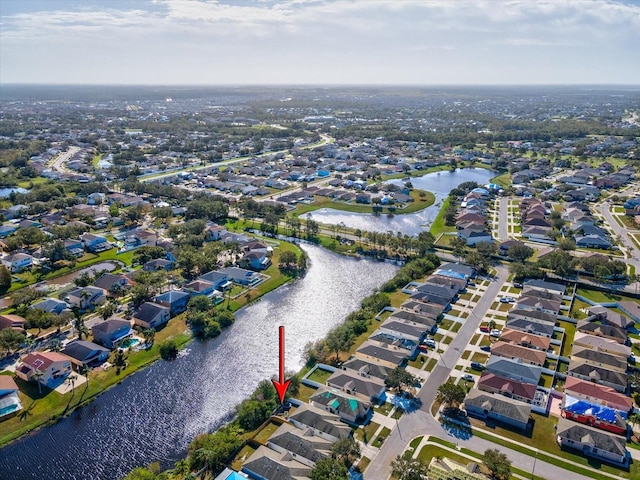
x: 485, y: 329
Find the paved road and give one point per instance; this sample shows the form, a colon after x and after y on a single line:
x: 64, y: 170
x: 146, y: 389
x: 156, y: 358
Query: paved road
x: 622, y: 232
x: 503, y: 219
x: 422, y: 422
x: 57, y: 163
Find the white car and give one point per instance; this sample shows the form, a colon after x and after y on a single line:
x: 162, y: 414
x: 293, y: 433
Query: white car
x: 495, y: 332
x: 468, y: 377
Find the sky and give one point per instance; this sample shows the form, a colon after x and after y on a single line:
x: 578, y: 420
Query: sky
x: 316, y: 42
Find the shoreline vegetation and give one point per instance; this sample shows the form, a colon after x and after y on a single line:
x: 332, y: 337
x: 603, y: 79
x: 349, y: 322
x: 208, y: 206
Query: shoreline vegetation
x: 46, y: 407
x: 226, y: 445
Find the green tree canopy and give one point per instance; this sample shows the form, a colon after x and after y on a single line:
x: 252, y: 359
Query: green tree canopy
x: 329, y: 469
x: 497, y: 463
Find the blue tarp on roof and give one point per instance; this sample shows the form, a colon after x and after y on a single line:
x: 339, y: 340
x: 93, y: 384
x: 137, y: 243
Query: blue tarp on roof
x: 601, y: 412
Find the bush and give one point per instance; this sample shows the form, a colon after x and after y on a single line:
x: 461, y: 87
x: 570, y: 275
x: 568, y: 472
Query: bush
x: 168, y: 350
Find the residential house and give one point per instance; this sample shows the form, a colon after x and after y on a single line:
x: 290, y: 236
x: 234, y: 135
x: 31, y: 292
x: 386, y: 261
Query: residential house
x: 592, y: 241
x: 545, y: 286
x: 498, y: 407
x: 448, y: 282
x: 304, y: 448
x: 74, y: 247
x: 51, y: 305
x: 365, y: 388
x: 514, y: 369
x: 257, y: 260
x: 449, y: 293
x: 348, y: 408
x: 512, y: 351
x: 492, y: 383
x: 602, y: 330
x: 95, y: 243
x: 525, y: 339
x: 175, y: 300
x: 17, y: 262
x: 630, y: 308
x: 141, y: 238
x: 158, y: 264
x: 592, y: 442
x: 594, y: 415
x: 268, y: 464
x: 610, y: 317
x: 443, y: 468
x: 403, y: 329
x: 367, y: 369
x: 429, y: 312
x: 456, y: 270
x: 240, y: 275
x: 113, y: 284
x: 473, y: 237
x: 85, y: 298
x: 526, y: 302
x: 12, y: 321
x: 598, y: 394
x: 199, y: 287
x: 503, y: 248
x: 46, y: 368
x: 583, y: 370
x: 601, y: 344
x: 111, y: 331
x: 9, y: 397
x: 597, y: 358
x: 86, y: 353
x: 8, y: 229
x: 219, y: 280
x: 531, y: 325
x: 388, y: 356
x: 151, y: 315
x: 213, y: 232
x: 320, y: 423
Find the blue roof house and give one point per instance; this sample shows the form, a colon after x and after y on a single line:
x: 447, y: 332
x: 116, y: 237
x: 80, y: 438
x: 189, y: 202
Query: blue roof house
x: 51, y: 305
x: 176, y: 300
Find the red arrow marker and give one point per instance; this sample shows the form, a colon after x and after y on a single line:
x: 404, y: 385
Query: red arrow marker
x: 282, y: 385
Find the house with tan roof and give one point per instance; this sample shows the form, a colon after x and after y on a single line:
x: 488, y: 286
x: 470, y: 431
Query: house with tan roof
x: 497, y: 407
x: 597, y: 358
x: 12, y: 321
x: 601, y: 344
x: 513, y: 351
x: 525, y: 339
x: 602, y: 330
x: 592, y: 442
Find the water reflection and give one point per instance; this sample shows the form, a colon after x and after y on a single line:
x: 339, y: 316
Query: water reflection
x: 153, y: 414
x: 440, y: 183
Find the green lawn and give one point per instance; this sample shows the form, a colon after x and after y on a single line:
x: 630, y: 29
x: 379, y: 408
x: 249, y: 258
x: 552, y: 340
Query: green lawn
x: 438, y: 226
x: 365, y: 433
x: 319, y: 375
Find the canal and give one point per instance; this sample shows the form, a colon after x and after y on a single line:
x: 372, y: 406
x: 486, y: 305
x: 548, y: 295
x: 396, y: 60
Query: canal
x: 153, y: 414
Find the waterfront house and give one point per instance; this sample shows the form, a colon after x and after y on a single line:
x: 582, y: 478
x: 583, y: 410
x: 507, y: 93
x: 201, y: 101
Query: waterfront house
x: 404, y: 329
x: 319, y: 422
x: 74, y: 247
x: 348, y: 408
x: 46, y: 368
x: 9, y: 396
x: 94, y: 243
x: 592, y: 442
x: 384, y: 355
x: 175, y: 300
x: 151, y: 315
x: 367, y: 369
x: 86, y: 353
x: 257, y: 260
x: 365, y: 388
x: 303, y: 447
x: 111, y: 331
x: 268, y: 464
x: 219, y: 280
x: 240, y: 275
x: 17, y: 262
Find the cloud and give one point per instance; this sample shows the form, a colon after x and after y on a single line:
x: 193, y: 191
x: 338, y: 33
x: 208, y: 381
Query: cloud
x: 317, y: 38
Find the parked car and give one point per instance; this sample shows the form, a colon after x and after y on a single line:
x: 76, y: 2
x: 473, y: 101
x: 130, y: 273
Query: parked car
x: 517, y: 285
x: 485, y: 329
x: 468, y: 377
x: 477, y: 366
x: 423, y: 348
x: 504, y: 300
x: 510, y: 299
x: 485, y: 348
x: 495, y: 332
x: 429, y: 342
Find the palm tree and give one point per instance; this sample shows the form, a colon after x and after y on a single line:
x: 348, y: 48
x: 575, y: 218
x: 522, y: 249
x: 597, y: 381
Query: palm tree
x: 149, y: 335
x: 37, y: 375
